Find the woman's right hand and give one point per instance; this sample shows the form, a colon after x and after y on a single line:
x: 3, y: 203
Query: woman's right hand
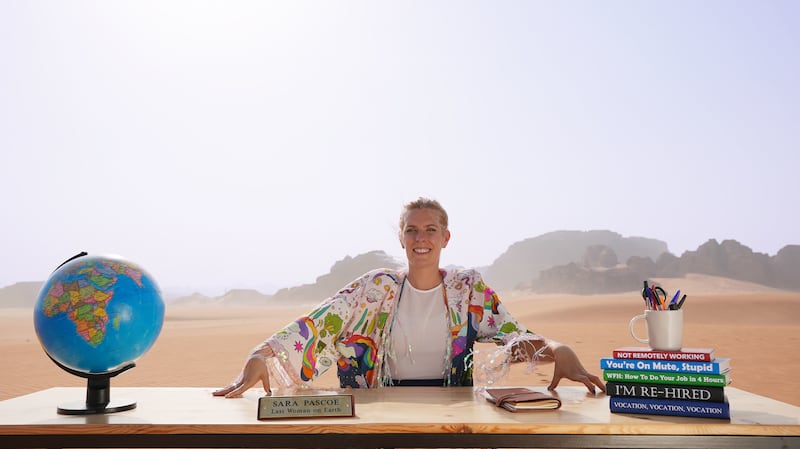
x: 255, y: 369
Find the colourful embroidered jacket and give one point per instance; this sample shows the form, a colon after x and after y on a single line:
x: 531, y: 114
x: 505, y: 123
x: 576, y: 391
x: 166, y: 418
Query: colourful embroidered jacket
x: 351, y: 329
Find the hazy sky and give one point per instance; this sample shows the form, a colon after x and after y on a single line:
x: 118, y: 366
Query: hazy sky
x: 252, y: 144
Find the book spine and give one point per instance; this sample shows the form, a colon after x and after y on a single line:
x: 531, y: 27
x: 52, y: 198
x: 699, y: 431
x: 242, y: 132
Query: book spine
x: 656, y: 391
x: 656, y: 377
x: 670, y: 407
x: 718, y: 366
x: 654, y: 355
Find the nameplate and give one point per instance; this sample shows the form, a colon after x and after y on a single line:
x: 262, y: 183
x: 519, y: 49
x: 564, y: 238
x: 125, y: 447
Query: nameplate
x: 306, y: 406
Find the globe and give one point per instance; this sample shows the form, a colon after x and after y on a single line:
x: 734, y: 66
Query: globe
x: 94, y: 317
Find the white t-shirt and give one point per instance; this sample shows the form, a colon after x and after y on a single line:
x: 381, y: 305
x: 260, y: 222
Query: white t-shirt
x: 419, y: 335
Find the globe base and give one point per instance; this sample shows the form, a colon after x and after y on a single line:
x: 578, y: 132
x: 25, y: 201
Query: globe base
x: 83, y: 408
x: 98, y: 394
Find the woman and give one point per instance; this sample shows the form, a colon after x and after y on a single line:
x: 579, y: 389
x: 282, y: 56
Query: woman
x: 414, y: 327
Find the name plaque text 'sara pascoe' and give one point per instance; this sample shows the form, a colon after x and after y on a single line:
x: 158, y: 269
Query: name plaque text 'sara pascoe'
x: 311, y: 405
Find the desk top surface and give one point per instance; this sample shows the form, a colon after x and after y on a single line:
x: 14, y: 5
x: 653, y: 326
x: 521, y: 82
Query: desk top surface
x: 386, y: 410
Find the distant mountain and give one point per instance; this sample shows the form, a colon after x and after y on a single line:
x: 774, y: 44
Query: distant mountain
x: 786, y: 267
x: 342, y: 272
x: 524, y: 260
x: 733, y: 260
x: 729, y: 259
x: 194, y: 298
x: 244, y: 297
x: 558, y: 262
x: 21, y: 294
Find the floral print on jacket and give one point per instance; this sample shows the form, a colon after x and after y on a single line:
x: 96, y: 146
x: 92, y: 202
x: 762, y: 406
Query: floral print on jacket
x: 351, y: 330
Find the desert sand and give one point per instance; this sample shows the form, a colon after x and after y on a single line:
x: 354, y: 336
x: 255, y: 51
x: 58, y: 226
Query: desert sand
x: 204, y: 346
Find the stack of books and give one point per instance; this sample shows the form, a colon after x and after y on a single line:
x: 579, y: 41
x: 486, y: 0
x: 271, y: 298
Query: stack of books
x: 689, y: 382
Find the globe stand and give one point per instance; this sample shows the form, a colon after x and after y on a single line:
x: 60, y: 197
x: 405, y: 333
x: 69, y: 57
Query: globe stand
x: 98, y: 394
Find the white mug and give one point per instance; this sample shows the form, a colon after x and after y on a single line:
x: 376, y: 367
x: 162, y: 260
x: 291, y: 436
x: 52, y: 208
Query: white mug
x: 664, y: 329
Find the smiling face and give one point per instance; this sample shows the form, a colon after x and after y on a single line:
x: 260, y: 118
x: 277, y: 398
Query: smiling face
x: 423, y: 236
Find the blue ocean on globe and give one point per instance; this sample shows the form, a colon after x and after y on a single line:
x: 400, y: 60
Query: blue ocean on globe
x: 97, y: 314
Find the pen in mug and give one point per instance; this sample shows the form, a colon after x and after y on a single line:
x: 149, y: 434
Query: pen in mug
x: 673, y: 305
x: 648, y: 303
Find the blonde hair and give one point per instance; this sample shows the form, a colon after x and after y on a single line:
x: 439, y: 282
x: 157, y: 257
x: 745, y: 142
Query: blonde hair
x: 423, y: 203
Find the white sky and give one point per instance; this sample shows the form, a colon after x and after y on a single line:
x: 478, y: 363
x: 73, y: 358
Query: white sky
x: 252, y: 144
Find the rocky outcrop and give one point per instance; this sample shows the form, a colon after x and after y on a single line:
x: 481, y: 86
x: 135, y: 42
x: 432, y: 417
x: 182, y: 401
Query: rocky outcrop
x: 599, y: 256
x: 581, y: 280
x: 729, y: 259
x: 524, y: 260
x: 785, y: 268
x: 342, y: 272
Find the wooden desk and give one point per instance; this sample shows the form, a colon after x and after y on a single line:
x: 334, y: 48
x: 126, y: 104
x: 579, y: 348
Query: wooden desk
x: 389, y: 417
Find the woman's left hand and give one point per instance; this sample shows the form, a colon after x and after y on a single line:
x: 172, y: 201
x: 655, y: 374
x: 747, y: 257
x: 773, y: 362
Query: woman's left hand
x: 568, y: 366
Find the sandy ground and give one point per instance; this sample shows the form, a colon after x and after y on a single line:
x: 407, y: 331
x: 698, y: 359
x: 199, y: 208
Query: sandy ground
x: 204, y: 346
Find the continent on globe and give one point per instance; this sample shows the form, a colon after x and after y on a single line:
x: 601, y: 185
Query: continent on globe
x: 83, y: 297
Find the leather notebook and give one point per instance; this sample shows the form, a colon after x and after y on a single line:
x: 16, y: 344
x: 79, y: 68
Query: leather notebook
x: 518, y: 399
